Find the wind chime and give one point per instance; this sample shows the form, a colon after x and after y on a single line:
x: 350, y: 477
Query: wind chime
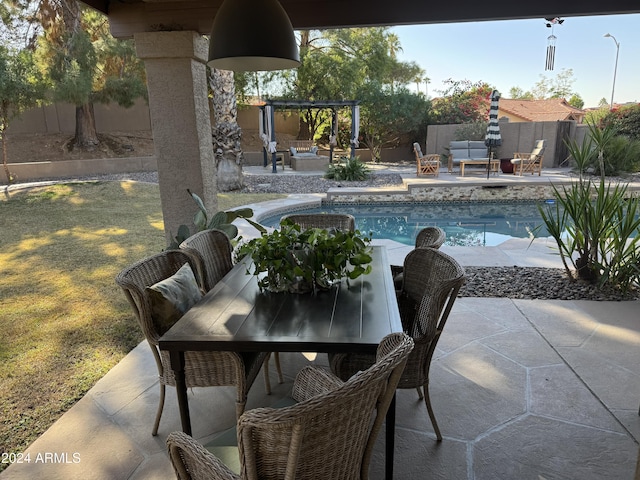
x: 551, y: 42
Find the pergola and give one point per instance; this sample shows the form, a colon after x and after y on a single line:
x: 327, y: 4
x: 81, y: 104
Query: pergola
x: 267, y: 122
x: 168, y: 36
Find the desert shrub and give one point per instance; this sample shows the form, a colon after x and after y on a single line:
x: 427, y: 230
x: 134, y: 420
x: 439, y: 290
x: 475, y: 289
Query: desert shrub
x: 471, y: 131
x: 348, y: 169
x: 621, y: 154
x: 625, y: 121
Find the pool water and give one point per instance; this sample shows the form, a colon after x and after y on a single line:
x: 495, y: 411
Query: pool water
x: 466, y: 224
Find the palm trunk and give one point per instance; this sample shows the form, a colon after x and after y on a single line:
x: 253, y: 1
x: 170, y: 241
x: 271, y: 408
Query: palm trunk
x: 226, y: 132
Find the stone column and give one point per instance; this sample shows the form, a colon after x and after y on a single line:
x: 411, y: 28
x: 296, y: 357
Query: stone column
x: 180, y: 121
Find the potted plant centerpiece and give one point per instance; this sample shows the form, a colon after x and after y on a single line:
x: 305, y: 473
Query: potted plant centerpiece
x: 301, y: 260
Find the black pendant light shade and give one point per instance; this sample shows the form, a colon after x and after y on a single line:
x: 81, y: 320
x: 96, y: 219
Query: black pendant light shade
x: 251, y: 35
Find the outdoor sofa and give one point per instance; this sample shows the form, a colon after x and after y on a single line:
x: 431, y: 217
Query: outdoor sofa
x: 466, y: 150
x: 304, y: 156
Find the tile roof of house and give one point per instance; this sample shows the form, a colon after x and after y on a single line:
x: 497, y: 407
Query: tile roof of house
x: 541, y: 110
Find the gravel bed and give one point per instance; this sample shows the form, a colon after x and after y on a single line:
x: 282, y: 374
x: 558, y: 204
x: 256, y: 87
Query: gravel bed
x: 275, y: 183
x: 271, y: 183
x: 508, y: 282
x: 534, y: 283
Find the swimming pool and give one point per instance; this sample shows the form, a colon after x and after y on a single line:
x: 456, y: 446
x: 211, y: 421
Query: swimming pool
x: 466, y: 223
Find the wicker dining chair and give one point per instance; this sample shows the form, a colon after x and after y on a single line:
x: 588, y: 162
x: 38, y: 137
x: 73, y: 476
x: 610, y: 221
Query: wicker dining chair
x: 339, y: 221
x: 330, y: 434
x: 432, y: 280
x: 202, y: 369
x: 212, y: 249
x: 213, y: 252
x: 428, y: 237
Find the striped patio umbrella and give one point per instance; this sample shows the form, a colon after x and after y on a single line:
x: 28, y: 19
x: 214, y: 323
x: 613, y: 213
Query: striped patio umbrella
x: 493, y: 138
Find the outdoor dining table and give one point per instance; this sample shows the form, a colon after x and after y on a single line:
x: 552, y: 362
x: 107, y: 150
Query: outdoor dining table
x: 235, y: 315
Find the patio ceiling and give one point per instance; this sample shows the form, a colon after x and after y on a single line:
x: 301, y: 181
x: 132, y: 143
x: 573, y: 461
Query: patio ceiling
x: 131, y: 16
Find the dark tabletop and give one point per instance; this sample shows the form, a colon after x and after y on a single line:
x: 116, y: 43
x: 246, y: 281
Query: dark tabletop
x: 235, y: 316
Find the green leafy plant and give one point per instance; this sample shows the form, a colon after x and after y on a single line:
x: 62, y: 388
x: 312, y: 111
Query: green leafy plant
x: 471, y: 131
x: 621, y: 154
x: 625, y: 120
x: 596, y: 225
x: 583, y: 154
x: 597, y: 230
x: 601, y: 138
x: 220, y: 221
x: 303, y: 260
x: 347, y: 169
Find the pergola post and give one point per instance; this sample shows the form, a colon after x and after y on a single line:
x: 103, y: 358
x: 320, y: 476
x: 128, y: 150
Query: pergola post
x: 272, y: 119
x: 355, y: 128
x: 334, y: 132
x: 263, y: 122
x: 180, y: 122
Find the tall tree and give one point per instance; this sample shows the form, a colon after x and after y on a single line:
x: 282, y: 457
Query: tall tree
x: 85, y: 64
x: 462, y: 101
x: 389, y: 117
x: 559, y: 87
x: 518, y: 93
x: 20, y: 88
x: 344, y: 64
x: 576, y: 101
x: 336, y: 64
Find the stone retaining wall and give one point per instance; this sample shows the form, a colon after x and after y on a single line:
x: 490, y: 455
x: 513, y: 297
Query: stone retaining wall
x: 32, y: 171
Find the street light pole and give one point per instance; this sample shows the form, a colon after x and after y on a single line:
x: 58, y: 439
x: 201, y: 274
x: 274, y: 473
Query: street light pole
x: 615, y: 69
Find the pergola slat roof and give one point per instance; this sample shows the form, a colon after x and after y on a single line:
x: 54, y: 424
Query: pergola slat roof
x: 295, y: 104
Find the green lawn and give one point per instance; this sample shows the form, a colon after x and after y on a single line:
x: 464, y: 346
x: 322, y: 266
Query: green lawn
x: 64, y: 322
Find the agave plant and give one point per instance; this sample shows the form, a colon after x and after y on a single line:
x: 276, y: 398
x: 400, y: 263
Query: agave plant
x: 348, y: 169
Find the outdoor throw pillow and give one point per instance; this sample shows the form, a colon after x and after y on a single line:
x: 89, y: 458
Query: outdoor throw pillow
x: 313, y: 150
x: 172, y: 297
x: 293, y: 150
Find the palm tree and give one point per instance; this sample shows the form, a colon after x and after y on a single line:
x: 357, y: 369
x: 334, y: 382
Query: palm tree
x: 418, y: 79
x: 393, y: 41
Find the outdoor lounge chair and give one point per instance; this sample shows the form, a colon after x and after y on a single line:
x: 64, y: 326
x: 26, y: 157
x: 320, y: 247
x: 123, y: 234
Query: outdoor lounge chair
x: 330, y: 434
x: 529, y: 162
x: 202, y: 369
x: 431, y: 283
x: 426, y: 164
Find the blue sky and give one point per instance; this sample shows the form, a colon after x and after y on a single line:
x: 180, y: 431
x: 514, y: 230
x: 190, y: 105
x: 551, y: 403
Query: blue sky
x: 512, y: 53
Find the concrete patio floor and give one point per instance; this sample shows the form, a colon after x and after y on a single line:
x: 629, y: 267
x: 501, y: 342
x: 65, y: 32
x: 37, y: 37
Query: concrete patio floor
x: 522, y: 389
